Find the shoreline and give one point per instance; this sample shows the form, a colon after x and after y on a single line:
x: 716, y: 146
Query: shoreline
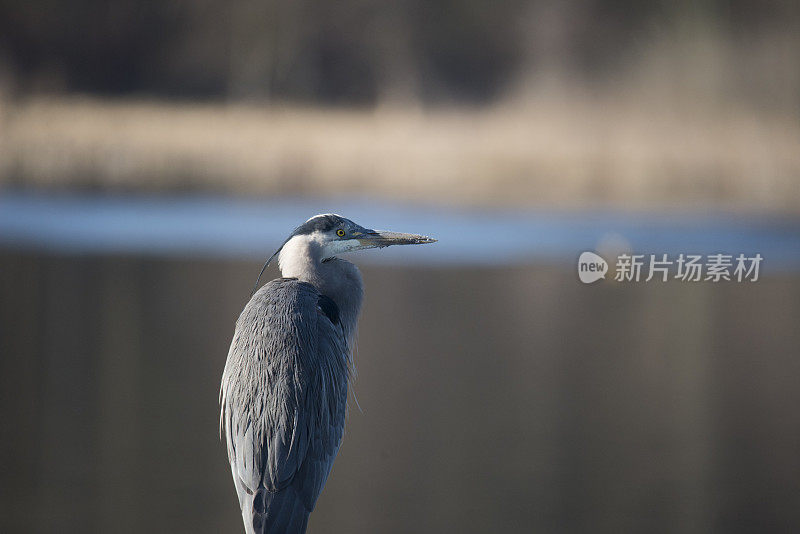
x: 561, y: 152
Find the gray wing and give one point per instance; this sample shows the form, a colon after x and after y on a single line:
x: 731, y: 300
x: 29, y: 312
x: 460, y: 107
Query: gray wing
x: 283, y: 403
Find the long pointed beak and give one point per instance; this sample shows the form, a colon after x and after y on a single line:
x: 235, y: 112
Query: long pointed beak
x: 383, y: 238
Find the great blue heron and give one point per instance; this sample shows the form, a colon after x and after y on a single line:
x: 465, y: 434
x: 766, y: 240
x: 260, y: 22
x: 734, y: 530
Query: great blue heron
x: 284, y: 389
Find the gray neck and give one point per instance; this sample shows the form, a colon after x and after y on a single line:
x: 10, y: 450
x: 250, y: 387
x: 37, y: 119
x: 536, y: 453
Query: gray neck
x: 338, y: 279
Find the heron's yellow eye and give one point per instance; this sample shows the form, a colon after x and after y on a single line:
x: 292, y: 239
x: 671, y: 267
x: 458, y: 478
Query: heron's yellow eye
x: 340, y: 232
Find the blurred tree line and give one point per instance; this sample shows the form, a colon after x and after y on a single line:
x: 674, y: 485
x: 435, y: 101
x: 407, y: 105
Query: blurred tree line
x: 350, y: 51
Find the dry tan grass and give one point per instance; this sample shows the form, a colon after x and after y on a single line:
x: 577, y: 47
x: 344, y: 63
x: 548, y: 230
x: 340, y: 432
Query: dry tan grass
x: 557, y: 150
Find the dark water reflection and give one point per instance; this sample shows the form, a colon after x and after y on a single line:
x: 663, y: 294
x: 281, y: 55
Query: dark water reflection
x: 493, y: 400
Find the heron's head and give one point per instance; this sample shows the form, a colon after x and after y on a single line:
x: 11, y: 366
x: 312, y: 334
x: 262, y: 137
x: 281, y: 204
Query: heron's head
x: 335, y: 235
x: 328, y: 235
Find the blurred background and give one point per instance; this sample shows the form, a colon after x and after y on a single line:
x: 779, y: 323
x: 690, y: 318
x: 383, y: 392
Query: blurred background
x: 153, y: 154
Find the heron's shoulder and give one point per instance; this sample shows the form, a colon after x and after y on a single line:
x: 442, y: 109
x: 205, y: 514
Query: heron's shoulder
x: 286, y: 288
x: 288, y: 291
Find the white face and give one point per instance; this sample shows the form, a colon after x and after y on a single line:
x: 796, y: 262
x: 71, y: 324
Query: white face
x: 301, y: 251
x: 344, y: 237
x: 340, y: 246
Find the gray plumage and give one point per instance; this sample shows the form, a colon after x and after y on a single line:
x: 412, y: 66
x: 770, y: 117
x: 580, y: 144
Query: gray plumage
x: 284, y: 388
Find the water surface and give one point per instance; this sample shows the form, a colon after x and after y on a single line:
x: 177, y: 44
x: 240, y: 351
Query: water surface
x: 244, y: 228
